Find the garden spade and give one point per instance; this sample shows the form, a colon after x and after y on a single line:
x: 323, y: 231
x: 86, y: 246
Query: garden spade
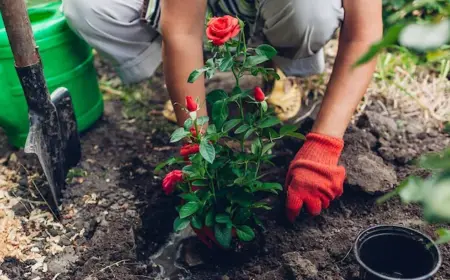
x: 53, y: 134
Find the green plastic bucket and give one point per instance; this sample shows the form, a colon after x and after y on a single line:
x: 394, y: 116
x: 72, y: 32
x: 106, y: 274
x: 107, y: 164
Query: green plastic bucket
x: 68, y: 62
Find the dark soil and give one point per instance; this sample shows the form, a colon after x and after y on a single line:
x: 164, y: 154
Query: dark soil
x: 132, y: 218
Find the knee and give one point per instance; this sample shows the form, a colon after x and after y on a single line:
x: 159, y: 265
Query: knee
x: 84, y: 15
x: 316, y: 22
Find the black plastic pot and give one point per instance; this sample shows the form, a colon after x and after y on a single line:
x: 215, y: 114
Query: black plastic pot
x: 394, y: 253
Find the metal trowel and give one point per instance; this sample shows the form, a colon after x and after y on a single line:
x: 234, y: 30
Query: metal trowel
x: 53, y: 134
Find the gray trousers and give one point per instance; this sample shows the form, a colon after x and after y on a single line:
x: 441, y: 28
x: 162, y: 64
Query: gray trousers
x: 297, y: 28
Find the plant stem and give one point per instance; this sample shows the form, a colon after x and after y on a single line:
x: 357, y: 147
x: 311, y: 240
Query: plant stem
x: 196, y: 130
x: 211, y: 179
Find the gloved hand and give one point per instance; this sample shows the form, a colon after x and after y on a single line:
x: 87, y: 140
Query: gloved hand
x: 314, y: 178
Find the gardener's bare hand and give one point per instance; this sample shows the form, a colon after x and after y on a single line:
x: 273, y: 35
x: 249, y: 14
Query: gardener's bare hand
x: 314, y: 178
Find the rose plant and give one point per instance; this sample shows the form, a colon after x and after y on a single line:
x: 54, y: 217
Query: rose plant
x: 221, y: 186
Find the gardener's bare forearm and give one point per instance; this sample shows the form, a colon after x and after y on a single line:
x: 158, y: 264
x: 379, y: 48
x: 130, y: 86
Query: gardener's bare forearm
x: 362, y: 27
x: 179, y: 62
x: 182, y: 28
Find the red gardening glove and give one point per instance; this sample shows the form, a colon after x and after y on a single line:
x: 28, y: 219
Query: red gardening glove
x: 314, y: 178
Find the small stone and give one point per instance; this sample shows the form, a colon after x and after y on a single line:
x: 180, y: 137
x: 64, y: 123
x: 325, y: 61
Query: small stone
x: 23, y: 182
x: 433, y: 133
x: 131, y: 213
x: 65, y: 241
x: 40, y: 245
x: 273, y: 274
x: 298, y: 267
x: 115, y: 206
x: 105, y: 203
x: 53, y: 231
x: 255, y: 269
x: 414, y: 128
x: 34, y: 250
x: 421, y: 136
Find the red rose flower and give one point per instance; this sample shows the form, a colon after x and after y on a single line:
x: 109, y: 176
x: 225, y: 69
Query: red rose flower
x: 189, y: 149
x: 259, y: 94
x: 171, y: 180
x: 191, y: 105
x: 221, y: 29
x: 193, y: 131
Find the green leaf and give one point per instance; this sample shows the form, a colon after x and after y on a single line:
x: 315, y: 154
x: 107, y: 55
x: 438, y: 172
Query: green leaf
x: 229, y: 125
x: 189, y: 170
x: 178, y: 134
x: 226, y: 63
x: 195, y: 75
x: 256, y: 147
x: 243, y: 128
x: 242, y: 198
x: 242, y: 215
x: 267, y: 148
x: 436, y: 160
x: 188, y: 209
x: 269, y: 122
x: 296, y: 135
x: 411, y: 35
x: 273, y: 134
x: 255, y: 60
x: 188, y: 124
x: 390, y: 38
x: 272, y: 186
x: 196, y: 222
x: 169, y: 162
x: 180, y: 224
x: 200, y: 183
x: 210, y: 63
x: 444, y: 236
x: 245, y: 233
x: 268, y: 187
x: 249, y: 133
x: 264, y: 106
x: 210, y: 73
x: 202, y: 120
x: 210, y: 217
x: 436, y: 193
x: 189, y: 197
x: 287, y: 129
x: 223, y: 234
x: 207, y: 151
x: 262, y: 206
x: 223, y: 219
x: 216, y: 95
x: 411, y: 190
x: 266, y: 50
x: 211, y: 129
x: 220, y: 113
x: 258, y: 222
x: 447, y: 128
